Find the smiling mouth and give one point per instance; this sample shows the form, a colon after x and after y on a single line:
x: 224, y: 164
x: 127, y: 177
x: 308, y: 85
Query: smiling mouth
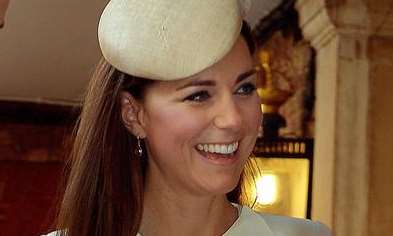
x: 219, y: 153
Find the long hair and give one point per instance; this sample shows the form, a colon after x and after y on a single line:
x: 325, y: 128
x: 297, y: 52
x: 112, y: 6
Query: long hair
x: 104, y: 192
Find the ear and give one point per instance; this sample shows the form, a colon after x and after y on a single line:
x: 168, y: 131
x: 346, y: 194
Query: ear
x: 132, y: 115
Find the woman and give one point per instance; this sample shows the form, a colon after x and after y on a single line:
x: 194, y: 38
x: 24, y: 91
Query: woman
x: 168, y: 123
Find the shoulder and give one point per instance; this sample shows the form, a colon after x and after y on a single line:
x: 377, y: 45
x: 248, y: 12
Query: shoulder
x: 250, y: 222
x: 54, y: 233
x: 282, y: 225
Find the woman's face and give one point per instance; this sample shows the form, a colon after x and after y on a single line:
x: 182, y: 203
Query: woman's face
x: 201, y: 130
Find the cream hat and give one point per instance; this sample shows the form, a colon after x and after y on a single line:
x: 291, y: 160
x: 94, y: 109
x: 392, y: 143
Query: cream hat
x: 168, y: 39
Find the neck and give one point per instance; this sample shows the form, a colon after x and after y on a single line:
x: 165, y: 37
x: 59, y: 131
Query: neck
x: 169, y: 212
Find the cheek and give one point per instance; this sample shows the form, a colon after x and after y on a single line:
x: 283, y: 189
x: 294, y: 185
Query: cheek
x: 252, y: 115
x: 169, y: 129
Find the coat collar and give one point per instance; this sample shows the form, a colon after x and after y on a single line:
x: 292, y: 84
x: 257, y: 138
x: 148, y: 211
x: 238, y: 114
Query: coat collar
x: 249, y: 223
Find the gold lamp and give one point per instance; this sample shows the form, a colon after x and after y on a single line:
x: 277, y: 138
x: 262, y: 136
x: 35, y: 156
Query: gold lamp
x: 271, y: 96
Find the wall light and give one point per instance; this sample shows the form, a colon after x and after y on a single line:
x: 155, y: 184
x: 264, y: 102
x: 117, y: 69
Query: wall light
x: 278, y: 178
x: 266, y: 189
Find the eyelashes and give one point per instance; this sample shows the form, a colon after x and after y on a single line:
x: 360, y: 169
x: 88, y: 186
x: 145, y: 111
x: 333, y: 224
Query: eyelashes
x: 246, y: 89
x: 198, y: 96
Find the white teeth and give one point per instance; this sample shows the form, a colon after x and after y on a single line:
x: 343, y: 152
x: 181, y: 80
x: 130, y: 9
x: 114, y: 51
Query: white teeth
x: 231, y: 148
x: 219, y: 148
x: 224, y: 148
x: 211, y: 148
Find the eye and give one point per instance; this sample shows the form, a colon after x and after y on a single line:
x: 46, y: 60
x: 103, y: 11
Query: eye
x: 198, y: 97
x: 246, y: 89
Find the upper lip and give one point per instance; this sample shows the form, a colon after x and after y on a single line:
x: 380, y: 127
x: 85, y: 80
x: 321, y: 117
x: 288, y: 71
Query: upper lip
x: 221, y: 143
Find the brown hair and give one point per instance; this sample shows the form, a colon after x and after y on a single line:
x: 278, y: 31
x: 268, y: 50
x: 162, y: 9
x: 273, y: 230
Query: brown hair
x: 104, y: 193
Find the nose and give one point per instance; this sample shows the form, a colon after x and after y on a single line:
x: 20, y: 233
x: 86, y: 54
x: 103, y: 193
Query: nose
x: 228, y: 114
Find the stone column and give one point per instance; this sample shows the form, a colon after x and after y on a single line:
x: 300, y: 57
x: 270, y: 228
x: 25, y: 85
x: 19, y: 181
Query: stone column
x: 353, y: 178
x: 380, y: 53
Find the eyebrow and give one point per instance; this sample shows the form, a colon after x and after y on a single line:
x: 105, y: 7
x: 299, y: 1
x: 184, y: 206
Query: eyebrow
x: 240, y: 78
x: 245, y: 75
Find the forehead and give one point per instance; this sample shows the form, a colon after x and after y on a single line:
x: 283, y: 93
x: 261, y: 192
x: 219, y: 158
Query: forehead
x: 236, y: 62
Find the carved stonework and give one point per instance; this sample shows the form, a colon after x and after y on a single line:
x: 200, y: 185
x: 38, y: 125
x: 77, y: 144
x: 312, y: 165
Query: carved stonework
x: 290, y: 65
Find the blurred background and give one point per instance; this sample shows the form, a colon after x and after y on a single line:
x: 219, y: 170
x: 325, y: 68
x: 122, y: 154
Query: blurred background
x: 325, y: 148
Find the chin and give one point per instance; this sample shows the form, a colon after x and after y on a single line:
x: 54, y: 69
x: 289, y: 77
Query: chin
x: 222, y: 186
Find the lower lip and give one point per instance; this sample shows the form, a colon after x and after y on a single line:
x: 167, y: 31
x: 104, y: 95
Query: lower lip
x: 219, y: 159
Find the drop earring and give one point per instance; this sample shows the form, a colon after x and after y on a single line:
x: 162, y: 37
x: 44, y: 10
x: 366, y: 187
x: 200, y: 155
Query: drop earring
x: 139, y: 150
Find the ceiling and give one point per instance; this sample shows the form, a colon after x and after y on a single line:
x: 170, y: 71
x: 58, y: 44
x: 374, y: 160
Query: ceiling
x: 48, y: 48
